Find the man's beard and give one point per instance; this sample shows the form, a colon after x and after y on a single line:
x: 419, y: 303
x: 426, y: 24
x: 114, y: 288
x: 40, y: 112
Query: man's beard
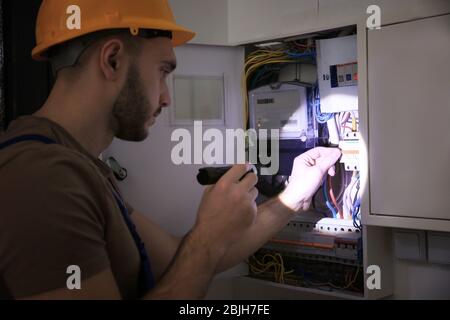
x: 131, y: 109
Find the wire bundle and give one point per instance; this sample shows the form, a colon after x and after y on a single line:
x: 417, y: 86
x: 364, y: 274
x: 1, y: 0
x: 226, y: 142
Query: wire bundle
x: 333, y: 209
x: 270, y: 263
x: 322, y: 118
x: 348, y: 280
x: 347, y: 203
x: 352, y: 201
x: 273, y: 264
x: 260, y: 61
x: 347, y: 121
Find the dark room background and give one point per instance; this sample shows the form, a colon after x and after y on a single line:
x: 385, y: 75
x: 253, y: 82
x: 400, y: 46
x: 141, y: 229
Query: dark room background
x: 25, y: 84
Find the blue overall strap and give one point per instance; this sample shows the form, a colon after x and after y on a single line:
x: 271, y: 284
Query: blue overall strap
x: 31, y: 137
x: 146, y: 280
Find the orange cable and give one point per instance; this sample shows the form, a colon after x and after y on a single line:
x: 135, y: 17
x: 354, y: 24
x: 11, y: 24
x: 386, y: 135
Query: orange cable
x: 333, y: 198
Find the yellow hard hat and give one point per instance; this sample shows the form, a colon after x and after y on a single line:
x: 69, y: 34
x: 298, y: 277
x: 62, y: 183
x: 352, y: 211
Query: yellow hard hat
x: 96, y: 15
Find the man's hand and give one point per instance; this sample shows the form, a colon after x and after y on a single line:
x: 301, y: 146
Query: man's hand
x: 307, y: 176
x: 228, y: 208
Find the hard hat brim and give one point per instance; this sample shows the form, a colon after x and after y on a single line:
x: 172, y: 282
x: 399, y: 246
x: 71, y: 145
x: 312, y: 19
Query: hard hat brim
x: 181, y: 36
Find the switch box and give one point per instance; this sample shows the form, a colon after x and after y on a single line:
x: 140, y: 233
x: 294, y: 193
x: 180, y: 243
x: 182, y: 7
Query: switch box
x: 439, y: 247
x: 410, y: 245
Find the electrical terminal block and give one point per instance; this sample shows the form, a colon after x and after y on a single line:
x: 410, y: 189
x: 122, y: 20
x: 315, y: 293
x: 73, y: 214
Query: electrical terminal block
x: 324, y: 239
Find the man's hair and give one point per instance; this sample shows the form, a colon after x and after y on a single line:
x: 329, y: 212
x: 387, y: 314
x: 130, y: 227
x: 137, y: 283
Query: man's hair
x: 73, y: 53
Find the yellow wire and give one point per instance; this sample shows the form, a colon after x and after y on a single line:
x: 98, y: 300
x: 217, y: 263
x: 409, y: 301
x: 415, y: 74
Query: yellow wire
x: 354, y: 127
x: 279, y: 271
x: 277, y: 263
x: 337, y: 287
x: 254, y: 61
x: 259, y: 271
x: 250, y: 68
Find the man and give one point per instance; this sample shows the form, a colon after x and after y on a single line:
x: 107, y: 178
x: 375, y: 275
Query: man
x: 60, y: 204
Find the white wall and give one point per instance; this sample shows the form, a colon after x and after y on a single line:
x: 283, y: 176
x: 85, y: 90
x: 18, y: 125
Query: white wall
x: 208, y: 18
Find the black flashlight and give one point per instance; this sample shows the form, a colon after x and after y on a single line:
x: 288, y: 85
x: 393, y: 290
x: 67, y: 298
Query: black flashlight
x: 211, y: 175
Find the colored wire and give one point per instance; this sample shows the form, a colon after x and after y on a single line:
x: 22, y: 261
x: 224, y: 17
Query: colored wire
x: 327, y: 201
x: 322, y: 118
x: 276, y: 263
x: 350, y: 196
x: 354, y: 123
x: 301, y: 55
x: 356, y: 214
x: 263, y: 57
x: 333, y: 198
x: 330, y: 284
x: 249, y: 72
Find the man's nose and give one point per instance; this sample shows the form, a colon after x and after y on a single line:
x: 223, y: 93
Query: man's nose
x: 165, y: 99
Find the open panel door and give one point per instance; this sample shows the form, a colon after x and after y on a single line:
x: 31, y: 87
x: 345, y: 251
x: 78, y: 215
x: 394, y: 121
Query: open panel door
x: 409, y: 114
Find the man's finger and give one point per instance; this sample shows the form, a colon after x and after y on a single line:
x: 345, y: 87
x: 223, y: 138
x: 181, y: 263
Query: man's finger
x: 328, y: 158
x: 315, y: 153
x: 235, y: 174
x: 249, y: 181
x: 306, y: 205
x: 332, y: 171
x: 254, y: 193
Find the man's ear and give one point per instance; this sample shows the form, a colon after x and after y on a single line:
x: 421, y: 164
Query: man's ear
x: 112, y: 58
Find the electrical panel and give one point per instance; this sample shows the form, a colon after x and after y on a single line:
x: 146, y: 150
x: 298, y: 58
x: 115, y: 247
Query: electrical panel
x: 284, y: 108
x: 321, y: 248
x: 316, y: 252
x: 338, y: 74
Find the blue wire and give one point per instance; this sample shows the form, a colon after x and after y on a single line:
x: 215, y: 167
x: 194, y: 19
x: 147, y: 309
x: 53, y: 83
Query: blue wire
x: 327, y: 200
x: 333, y: 211
x: 356, y: 210
x: 322, y: 118
x: 301, y: 55
x: 258, y: 75
x: 355, y: 213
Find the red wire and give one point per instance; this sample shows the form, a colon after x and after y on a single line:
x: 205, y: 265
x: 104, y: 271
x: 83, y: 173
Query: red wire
x: 347, y: 127
x: 333, y: 198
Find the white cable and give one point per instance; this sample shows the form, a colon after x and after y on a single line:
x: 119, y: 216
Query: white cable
x: 333, y: 131
x: 347, y: 201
